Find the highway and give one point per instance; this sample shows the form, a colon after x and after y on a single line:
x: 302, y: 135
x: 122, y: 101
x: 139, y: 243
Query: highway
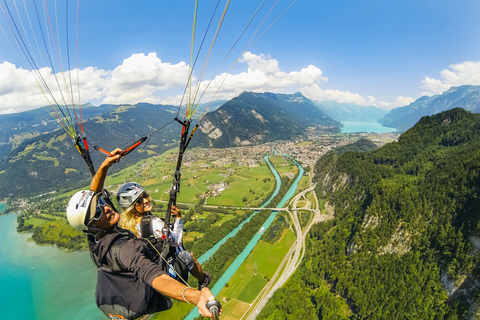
x: 296, y: 253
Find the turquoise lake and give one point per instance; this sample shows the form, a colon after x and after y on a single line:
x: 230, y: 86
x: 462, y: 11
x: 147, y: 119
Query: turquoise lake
x: 43, y: 282
x: 358, y: 126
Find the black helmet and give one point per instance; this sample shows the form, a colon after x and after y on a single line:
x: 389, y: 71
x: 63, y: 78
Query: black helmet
x: 129, y: 193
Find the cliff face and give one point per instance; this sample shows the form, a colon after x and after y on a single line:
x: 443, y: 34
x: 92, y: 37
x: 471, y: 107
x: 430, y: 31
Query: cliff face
x: 416, y: 197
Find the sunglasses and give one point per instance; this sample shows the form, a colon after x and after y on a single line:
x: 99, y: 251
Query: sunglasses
x: 101, y: 203
x: 142, y: 198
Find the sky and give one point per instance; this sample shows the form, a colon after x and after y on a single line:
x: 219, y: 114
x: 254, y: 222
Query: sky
x: 376, y: 53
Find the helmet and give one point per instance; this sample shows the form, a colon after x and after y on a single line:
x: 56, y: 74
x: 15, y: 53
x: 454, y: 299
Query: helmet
x: 129, y: 193
x: 79, y: 210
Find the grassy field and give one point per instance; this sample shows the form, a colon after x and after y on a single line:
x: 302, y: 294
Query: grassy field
x: 54, y: 230
x: 303, y: 184
x: 252, y: 276
x: 283, y: 164
x: 233, y: 184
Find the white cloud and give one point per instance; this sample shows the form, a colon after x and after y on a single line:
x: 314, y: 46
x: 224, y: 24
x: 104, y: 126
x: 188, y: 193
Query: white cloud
x: 466, y: 73
x: 263, y: 74
x: 261, y: 63
x: 140, y: 76
x: 404, y: 101
x: 146, y: 78
x: 137, y: 79
x: 314, y: 92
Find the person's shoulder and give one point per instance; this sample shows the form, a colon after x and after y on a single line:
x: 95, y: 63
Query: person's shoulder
x: 120, y: 237
x: 126, y: 232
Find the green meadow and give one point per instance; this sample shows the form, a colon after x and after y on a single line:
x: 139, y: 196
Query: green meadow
x: 253, y: 275
x: 220, y: 185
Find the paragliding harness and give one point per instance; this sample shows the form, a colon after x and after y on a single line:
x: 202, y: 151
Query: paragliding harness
x: 184, y: 141
x: 172, y: 259
x: 120, y: 294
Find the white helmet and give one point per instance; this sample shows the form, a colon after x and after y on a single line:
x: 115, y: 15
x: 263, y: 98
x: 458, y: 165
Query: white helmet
x: 81, y: 209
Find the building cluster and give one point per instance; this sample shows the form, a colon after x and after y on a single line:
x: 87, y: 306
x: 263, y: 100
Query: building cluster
x: 306, y: 152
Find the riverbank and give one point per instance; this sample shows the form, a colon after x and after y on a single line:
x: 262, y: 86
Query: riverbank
x: 3, y: 207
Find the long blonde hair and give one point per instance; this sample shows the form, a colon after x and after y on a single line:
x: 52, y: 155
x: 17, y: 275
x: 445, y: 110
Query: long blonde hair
x: 128, y: 217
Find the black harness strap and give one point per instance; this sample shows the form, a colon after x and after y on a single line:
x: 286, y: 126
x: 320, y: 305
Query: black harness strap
x: 184, y: 141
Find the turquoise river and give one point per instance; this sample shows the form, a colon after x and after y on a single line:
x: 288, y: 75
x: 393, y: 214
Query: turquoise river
x: 244, y: 254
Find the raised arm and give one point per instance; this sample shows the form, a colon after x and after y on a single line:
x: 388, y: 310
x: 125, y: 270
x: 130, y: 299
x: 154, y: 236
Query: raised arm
x: 98, y: 180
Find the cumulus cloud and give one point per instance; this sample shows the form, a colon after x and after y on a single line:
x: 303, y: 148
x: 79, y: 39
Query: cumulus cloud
x: 138, y: 79
x: 466, y: 73
x: 404, y: 101
x: 314, y: 92
x: 146, y: 78
x: 263, y: 74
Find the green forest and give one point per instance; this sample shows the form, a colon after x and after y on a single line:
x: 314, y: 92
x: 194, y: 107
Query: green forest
x: 405, y: 215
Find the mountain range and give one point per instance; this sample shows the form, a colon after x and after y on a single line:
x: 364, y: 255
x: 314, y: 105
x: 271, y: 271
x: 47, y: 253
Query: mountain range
x: 350, y: 112
x: 403, y: 118
x: 17, y: 127
x: 254, y: 118
x: 37, y: 157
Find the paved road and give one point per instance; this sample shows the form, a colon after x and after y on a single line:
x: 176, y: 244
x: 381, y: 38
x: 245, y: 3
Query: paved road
x: 295, y: 255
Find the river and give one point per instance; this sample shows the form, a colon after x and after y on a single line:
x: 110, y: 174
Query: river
x: 43, y: 282
x: 244, y: 254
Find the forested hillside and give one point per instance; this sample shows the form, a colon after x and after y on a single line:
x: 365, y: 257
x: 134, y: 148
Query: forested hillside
x: 50, y: 162
x: 406, y: 218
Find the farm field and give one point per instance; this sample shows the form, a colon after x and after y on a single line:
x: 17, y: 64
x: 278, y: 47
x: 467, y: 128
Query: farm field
x: 252, y: 276
x: 224, y: 184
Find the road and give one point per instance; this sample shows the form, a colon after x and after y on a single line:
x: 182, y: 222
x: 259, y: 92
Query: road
x: 295, y: 254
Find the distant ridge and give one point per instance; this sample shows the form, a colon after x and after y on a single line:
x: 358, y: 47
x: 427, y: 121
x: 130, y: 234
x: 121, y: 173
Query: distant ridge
x: 255, y: 118
x: 350, y: 112
x: 49, y: 161
x: 465, y: 97
x: 16, y: 127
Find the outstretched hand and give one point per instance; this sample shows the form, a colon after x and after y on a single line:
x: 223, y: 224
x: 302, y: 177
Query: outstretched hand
x: 206, y: 295
x: 98, y: 180
x: 110, y: 160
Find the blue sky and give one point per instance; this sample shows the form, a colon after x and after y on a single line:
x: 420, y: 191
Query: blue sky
x: 371, y: 52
